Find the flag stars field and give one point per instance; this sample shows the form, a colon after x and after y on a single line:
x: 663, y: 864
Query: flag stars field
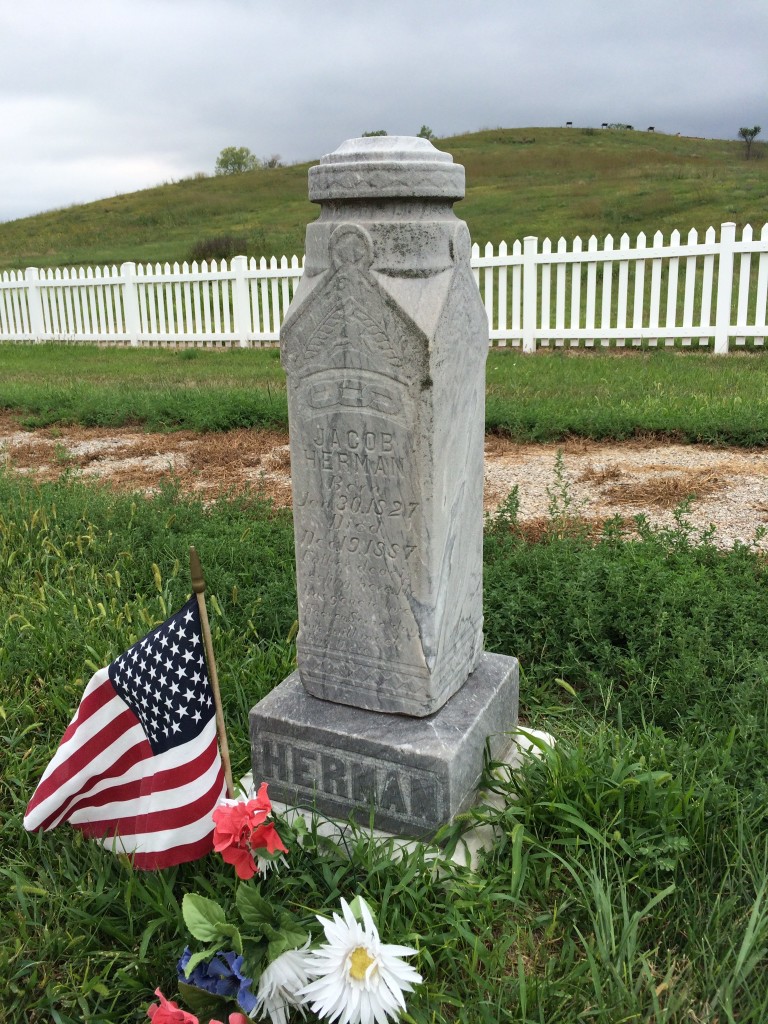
x: 155, y: 700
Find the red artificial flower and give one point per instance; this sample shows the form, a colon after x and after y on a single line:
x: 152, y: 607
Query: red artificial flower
x: 236, y: 819
x: 261, y: 800
x: 266, y: 837
x: 233, y: 826
x: 166, y: 1012
x: 241, y: 859
x: 241, y: 829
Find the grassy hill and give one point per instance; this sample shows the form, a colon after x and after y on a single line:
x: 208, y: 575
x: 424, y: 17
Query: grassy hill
x: 541, y: 181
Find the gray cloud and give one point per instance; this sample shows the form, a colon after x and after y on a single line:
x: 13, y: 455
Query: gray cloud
x: 104, y: 96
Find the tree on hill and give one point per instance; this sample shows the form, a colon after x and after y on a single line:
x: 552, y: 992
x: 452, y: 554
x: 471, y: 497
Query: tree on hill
x: 371, y: 135
x: 748, y: 134
x: 235, y: 160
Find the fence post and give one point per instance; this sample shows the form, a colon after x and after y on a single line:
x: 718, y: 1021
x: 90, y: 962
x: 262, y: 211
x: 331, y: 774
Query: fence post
x: 724, y: 286
x: 241, y: 307
x: 130, y: 302
x: 34, y: 303
x: 530, y: 243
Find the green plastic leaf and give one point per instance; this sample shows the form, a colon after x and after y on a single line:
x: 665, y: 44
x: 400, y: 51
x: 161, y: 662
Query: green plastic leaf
x: 231, y: 934
x: 199, y: 957
x: 254, y: 954
x: 202, y: 917
x: 255, y: 911
x: 205, y: 1004
x: 285, y: 940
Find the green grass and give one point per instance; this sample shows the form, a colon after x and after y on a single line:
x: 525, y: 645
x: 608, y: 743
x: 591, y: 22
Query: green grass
x: 628, y: 878
x: 570, y: 183
x: 629, y: 875
x: 690, y: 396
x: 157, y: 389
x: 565, y: 182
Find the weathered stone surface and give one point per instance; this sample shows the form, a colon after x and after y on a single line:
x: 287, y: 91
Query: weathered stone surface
x: 384, y: 347
x: 417, y: 772
x: 385, y: 167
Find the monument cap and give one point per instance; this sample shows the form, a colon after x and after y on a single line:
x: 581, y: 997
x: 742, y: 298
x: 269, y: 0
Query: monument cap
x: 386, y: 167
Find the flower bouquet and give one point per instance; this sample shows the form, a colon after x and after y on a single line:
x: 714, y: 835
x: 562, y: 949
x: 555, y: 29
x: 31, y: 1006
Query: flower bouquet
x: 274, y: 963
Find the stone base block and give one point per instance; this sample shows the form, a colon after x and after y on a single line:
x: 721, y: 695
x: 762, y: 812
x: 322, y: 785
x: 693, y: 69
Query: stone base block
x: 477, y: 840
x: 415, y: 774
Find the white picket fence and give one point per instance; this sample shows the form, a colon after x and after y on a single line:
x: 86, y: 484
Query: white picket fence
x: 629, y: 294
x: 243, y: 303
x: 711, y: 293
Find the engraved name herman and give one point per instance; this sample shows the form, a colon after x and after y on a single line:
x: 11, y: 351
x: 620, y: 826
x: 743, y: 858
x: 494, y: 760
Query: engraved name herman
x: 401, y: 791
x: 371, y: 451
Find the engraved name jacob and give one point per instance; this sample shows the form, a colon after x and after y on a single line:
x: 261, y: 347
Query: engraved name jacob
x: 371, y: 451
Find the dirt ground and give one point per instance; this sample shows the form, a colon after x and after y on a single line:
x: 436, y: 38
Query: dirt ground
x: 729, y: 486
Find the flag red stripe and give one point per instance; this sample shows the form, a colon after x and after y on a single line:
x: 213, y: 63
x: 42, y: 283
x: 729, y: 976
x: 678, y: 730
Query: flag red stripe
x: 141, y: 789
x: 176, y: 855
x: 84, y: 755
x: 140, y: 751
x: 89, y: 705
x: 158, y: 821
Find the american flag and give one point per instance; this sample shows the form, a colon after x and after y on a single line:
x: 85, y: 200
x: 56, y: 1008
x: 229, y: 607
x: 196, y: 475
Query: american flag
x: 138, y: 767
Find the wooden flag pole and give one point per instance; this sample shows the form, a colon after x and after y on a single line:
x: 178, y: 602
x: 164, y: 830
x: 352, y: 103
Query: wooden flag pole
x: 198, y: 586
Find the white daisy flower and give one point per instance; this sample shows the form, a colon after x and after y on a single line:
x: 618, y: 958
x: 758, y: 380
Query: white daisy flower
x: 359, y: 979
x: 280, y: 983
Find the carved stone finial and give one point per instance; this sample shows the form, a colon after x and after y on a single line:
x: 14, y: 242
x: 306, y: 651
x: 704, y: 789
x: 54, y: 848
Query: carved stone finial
x: 386, y: 167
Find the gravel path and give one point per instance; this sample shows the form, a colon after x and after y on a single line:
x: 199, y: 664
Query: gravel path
x: 730, y: 485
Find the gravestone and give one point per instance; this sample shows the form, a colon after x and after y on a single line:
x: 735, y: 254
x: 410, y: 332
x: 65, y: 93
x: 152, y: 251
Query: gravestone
x: 384, y: 348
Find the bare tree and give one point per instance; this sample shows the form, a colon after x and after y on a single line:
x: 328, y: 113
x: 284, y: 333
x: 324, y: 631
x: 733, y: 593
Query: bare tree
x: 748, y: 134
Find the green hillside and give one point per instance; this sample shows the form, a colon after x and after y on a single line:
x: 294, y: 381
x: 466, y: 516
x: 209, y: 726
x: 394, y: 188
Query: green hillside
x: 541, y: 181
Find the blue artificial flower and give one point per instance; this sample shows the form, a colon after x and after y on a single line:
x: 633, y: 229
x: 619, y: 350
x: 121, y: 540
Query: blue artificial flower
x: 221, y: 975
x: 246, y: 998
x: 215, y: 975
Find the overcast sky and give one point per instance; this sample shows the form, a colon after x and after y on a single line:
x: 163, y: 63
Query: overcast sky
x: 99, y: 97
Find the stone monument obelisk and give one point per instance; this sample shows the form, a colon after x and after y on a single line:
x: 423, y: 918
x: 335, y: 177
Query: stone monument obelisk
x: 384, y: 347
